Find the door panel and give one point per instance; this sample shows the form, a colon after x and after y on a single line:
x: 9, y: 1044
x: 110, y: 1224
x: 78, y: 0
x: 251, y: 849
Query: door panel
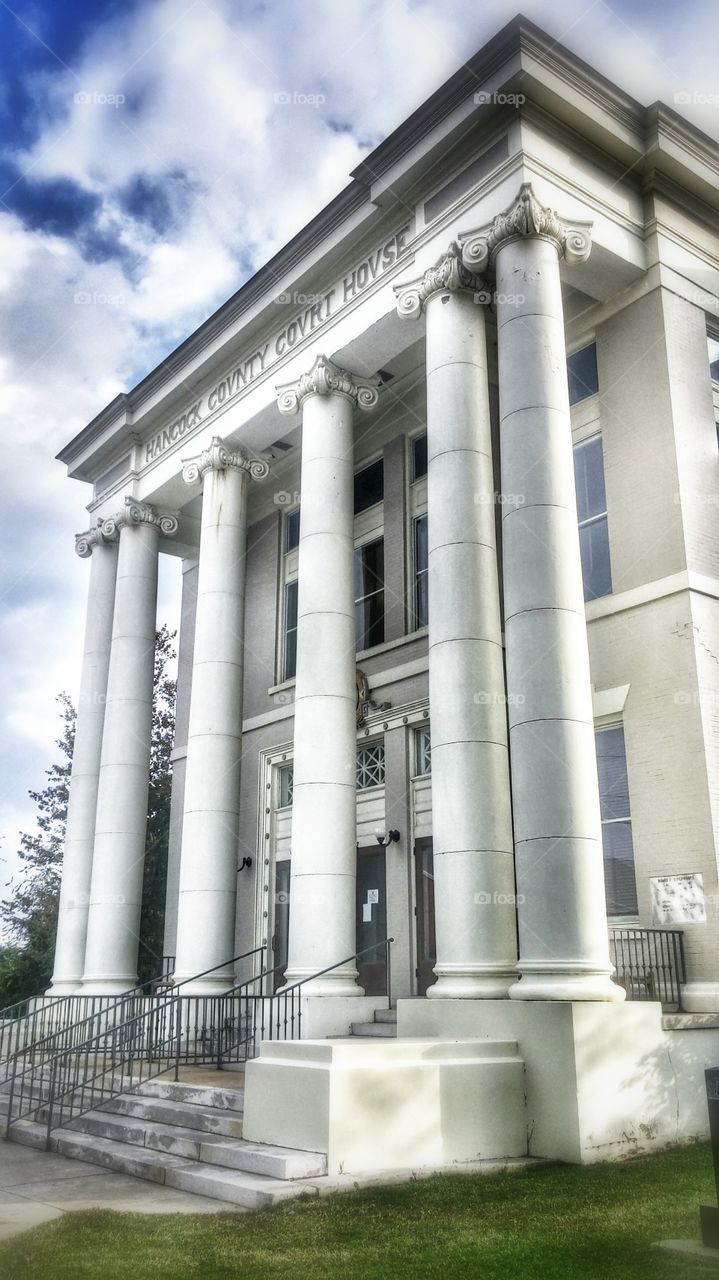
x: 426, y: 943
x: 282, y: 920
x: 372, y: 919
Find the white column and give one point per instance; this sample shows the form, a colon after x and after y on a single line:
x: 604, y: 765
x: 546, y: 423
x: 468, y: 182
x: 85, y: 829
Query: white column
x: 324, y: 824
x: 210, y: 836
x: 564, y: 948
x: 121, y: 820
x: 471, y: 807
x: 100, y: 544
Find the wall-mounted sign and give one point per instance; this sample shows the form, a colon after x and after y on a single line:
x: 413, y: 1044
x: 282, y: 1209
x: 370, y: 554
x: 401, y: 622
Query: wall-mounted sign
x: 316, y: 310
x: 678, y: 899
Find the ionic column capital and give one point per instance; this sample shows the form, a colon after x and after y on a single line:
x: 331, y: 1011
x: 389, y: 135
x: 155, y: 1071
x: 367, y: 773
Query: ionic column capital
x: 525, y: 217
x: 449, y: 273
x: 133, y: 513
x: 100, y: 535
x: 220, y: 457
x: 327, y: 379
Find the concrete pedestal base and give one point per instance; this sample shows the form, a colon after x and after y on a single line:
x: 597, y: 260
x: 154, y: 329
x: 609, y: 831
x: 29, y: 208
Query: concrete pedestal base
x: 700, y: 997
x: 388, y: 1105
x: 603, y: 1081
x: 333, y: 1015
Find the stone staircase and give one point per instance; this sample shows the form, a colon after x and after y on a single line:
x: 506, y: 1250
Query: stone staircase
x: 179, y: 1135
x: 383, y: 1026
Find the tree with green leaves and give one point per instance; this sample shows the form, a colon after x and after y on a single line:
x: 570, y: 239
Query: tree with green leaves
x: 29, y: 916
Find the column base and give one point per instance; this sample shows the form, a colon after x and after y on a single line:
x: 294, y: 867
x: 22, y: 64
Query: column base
x: 700, y: 997
x: 65, y: 987
x: 208, y: 986
x: 107, y: 986
x: 482, y: 985
x: 342, y: 983
x: 570, y: 985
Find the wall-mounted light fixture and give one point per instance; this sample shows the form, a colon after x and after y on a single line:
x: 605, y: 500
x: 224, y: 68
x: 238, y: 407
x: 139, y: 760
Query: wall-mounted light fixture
x: 246, y: 862
x: 386, y: 837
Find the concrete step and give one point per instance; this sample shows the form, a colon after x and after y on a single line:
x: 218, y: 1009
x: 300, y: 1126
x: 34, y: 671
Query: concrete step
x: 249, y: 1190
x: 202, y: 1094
x: 207, y: 1148
x: 186, y: 1115
x: 386, y: 1015
x: 120, y: 1156
x: 385, y: 1030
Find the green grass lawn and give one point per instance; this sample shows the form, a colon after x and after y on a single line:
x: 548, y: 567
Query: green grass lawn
x: 561, y: 1222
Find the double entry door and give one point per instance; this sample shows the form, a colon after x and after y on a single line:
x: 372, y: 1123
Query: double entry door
x: 371, y: 917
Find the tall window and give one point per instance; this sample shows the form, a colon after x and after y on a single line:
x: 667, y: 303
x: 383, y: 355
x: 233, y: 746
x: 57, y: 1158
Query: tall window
x: 619, y: 877
x: 582, y: 374
x: 421, y: 608
x: 289, y: 656
x: 369, y: 486
x: 422, y: 751
x: 713, y: 345
x: 419, y: 457
x: 370, y: 766
x: 592, y: 511
x: 369, y: 594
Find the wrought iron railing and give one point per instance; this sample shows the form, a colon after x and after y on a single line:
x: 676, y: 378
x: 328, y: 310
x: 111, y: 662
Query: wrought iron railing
x: 649, y: 963
x: 278, y: 1016
x: 133, y: 1028
x: 170, y: 1030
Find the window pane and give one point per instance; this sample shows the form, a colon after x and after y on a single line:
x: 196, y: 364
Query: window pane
x: 292, y: 530
x: 421, y: 610
x: 370, y: 766
x: 582, y: 374
x: 589, y: 478
x: 419, y: 457
x: 619, y: 878
x: 286, y: 787
x: 612, y: 766
x: 713, y: 345
x: 423, y: 751
x: 369, y: 486
x: 369, y: 621
x: 289, y: 666
x: 596, y: 569
x: 369, y: 568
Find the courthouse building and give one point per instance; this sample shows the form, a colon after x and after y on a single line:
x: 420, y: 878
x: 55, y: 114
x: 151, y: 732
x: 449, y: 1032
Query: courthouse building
x: 443, y: 477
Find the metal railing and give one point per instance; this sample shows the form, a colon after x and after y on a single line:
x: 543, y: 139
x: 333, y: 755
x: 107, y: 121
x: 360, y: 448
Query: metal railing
x: 649, y: 963
x: 133, y: 1028
x: 278, y: 1016
x: 172, y: 1029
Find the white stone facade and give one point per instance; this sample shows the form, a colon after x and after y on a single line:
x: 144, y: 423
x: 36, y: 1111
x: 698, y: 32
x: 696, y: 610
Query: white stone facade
x: 472, y: 252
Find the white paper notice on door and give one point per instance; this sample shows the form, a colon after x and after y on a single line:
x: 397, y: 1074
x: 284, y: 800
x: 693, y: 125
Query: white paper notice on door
x: 366, y: 912
x: 373, y: 895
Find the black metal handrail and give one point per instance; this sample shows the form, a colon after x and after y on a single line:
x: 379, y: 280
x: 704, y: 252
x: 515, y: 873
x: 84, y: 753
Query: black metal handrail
x: 263, y: 1016
x: 649, y: 963
x: 115, y: 1019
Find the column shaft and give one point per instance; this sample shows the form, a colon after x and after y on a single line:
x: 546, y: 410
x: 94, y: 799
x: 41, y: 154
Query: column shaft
x: 120, y: 827
x: 564, y: 951
x: 471, y: 809
x: 208, y: 867
x: 324, y: 822
x: 82, y: 801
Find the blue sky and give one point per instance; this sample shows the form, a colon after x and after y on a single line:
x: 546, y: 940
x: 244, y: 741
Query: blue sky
x: 148, y: 164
